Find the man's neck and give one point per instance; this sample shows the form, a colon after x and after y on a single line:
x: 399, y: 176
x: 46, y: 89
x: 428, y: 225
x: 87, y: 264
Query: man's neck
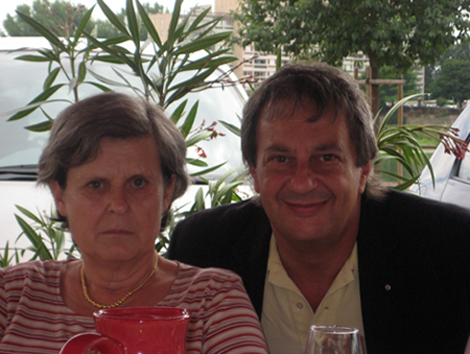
x: 313, y: 266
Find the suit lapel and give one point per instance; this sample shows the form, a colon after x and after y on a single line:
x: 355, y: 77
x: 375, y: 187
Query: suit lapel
x: 251, y: 255
x: 380, y: 283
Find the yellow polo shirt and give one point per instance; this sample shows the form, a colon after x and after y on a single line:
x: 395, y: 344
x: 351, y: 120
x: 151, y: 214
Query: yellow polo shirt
x: 287, y: 316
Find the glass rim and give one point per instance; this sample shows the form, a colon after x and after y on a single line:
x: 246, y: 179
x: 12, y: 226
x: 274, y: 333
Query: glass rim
x: 334, y: 329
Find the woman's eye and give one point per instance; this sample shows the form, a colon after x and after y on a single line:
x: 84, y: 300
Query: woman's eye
x: 139, y: 182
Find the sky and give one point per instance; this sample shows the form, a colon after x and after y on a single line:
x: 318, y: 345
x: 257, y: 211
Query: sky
x: 9, y: 6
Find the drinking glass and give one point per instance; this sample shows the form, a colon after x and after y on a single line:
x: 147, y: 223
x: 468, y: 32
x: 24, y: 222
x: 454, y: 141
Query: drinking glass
x: 333, y: 340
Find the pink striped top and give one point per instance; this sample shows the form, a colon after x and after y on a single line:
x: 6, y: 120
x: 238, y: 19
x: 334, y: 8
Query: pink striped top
x: 35, y: 319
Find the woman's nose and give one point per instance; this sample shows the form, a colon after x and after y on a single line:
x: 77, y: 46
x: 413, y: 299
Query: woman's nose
x: 118, y: 202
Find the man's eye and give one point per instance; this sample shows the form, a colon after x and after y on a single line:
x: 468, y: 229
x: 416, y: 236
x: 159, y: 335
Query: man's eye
x: 329, y: 157
x: 281, y: 159
x: 95, y: 184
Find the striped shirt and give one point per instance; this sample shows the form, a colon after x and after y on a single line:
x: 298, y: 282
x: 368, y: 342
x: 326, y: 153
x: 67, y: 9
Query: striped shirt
x: 35, y: 319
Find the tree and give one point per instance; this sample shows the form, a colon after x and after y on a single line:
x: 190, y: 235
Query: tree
x: 460, y: 51
x: 55, y: 17
x: 453, y: 82
x: 59, y: 16
x: 396, y: 33
x: 389, y: 93
x: 16, y: 27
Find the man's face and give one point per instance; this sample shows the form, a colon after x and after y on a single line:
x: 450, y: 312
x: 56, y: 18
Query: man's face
x: 307, y: 177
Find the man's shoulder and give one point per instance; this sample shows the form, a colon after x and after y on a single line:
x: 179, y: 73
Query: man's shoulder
x: 227, y: 215
x: 407, y: 203
x: 223, y: 225
x: 410, y: 213
x: 210, y: 237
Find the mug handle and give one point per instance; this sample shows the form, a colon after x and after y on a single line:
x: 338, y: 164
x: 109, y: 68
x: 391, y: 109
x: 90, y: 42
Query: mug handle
x: 84, y: 342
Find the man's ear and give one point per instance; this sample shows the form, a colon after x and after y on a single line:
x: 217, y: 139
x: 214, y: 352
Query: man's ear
x: 59, y: 198
x: 255, y: 178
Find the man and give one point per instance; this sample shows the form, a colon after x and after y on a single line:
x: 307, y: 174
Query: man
x: 325, y: 243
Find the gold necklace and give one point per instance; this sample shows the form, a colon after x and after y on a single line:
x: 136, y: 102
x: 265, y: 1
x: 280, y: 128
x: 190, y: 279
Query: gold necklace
x: 124, y: 298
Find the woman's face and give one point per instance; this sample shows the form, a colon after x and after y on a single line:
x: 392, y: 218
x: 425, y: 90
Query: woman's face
x: 115, y: 202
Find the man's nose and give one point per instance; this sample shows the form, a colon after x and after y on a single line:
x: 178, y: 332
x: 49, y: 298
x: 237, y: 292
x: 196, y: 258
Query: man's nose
x: 304, y: 178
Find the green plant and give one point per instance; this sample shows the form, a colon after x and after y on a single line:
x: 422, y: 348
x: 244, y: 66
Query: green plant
x: 401, y: 145
x: 6, y: 259
x: 191, y: 48
x: 441, y: 101
x: 45, y: 235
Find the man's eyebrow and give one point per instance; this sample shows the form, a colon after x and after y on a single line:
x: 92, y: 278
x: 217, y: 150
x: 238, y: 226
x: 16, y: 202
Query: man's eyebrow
x: 331, y: 147
x: 318, y: 148
x: 277, y: 148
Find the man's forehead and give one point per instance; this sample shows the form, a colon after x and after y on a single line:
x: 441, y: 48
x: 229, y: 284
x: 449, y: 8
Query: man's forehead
x: 310, y: 110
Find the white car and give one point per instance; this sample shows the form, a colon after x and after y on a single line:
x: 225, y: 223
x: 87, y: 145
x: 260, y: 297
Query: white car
x: 451, y: 174
x: 20, y: 149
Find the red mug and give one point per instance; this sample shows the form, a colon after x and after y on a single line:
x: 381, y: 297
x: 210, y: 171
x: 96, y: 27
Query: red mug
x: 143, y: 330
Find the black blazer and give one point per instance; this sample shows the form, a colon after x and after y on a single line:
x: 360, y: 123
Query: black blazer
x: 414, y: 266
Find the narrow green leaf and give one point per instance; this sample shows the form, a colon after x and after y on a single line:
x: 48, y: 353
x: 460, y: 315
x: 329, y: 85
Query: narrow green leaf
x: 40, y: 127
x: 189, y: 121
x: 196, y: 162
x: 115, y: 40
x: 204, y: 29
x: 395, y: 107
x: 208, y: 170
x: 101, y: 87
x: 108, y: 59
x: 51, y: 78
x: 208, y: 62
x: 133, y: 24
x: 29, y: 214
x: 178, y: 112
x: 117, y: 52
x: 32, y: 58
x: 234, y: 129
x: 34, y: 238
x: 82, y: 70
x: 199, y: 203
x: 113, y: 18
x: 151, y: 30
x: 41, y: 98
x: 197, y: 138
x: 194, y: 81
x: 48, y: 53
x: 203, y: 43
x: 175, y: 17
x: 82, y: 25
x: 193, y: 27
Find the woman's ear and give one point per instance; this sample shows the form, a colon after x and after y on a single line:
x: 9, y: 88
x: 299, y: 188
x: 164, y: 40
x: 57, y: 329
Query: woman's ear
x: 59, y: 198
x: 169, y: 189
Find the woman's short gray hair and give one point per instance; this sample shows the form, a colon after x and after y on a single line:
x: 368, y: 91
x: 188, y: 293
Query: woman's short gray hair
x: 76, y: 134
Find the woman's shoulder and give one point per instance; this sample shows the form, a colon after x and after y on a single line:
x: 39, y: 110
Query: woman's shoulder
x: 36, y: 271
x: 205, y: 282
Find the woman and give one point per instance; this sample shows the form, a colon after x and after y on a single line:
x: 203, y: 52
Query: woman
x: 114, y: 165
